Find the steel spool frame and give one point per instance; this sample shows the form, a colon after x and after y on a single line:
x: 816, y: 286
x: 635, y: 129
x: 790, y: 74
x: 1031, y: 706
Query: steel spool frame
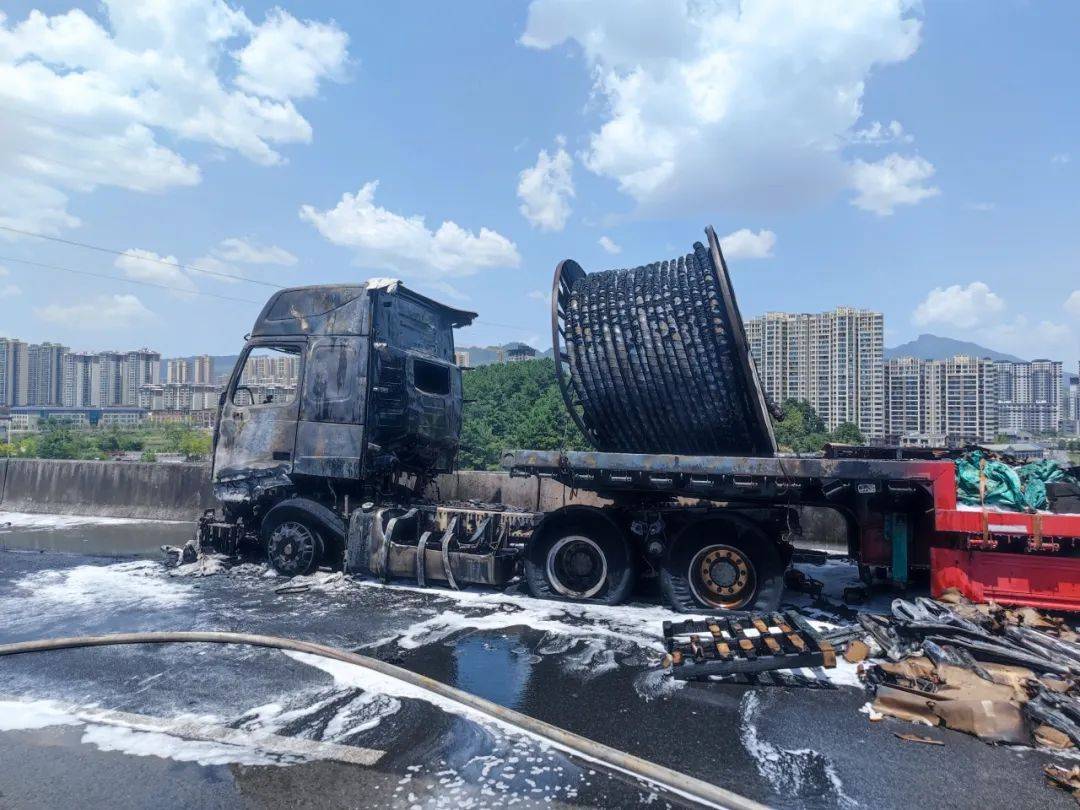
x: 567, y: 274
x: 747, y: 395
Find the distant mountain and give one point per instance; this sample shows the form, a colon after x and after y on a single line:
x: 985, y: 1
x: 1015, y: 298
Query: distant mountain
x: 934, y: 347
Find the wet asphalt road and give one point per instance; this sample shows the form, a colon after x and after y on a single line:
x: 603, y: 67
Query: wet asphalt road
x: 792, y: 744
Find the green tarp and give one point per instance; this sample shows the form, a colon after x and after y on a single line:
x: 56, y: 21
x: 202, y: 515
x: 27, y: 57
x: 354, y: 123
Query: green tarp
x: 1015, y: 488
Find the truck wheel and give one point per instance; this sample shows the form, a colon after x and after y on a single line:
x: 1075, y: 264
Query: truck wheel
x: 723, y: 565
x: 581, y: 557
x: 293, y: 546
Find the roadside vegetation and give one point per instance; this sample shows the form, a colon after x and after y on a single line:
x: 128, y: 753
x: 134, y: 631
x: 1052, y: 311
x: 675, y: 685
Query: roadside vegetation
x: 515, y: 405
x: 58, y: 439
x: 803, y: 431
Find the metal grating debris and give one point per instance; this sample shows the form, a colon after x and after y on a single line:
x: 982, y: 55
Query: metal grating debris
x: 757, y: 642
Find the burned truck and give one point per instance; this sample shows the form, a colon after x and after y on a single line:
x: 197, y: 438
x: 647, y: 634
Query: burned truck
x: 342, y: 468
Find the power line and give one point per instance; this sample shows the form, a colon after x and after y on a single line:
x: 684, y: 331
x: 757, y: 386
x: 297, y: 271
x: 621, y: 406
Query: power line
x: 127, y: 280
x: 115, y: 252
x: 101, y: 249
x: 182, y: 291
x: 503, y: 325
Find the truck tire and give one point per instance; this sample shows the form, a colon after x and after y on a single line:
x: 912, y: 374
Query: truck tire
x: 294, y: 546
x: 719, y: 565
x: 580, y: 555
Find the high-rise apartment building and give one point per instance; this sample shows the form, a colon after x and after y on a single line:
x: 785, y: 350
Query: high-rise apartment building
x: 82, y: 380
x: 271, y: 369
x: 905, y: 397
x: 833, y: 360
x: 961, y: 401
x: 111, y: 379
x: 178, y: 397
x: 1070, y: 406
x: 176, y: 370
x: 14, y: 372
x: 1029, y: 396
x: 141, y: 367
x: 943, y: 401
x: 204, y: 370
x: 45, y: 373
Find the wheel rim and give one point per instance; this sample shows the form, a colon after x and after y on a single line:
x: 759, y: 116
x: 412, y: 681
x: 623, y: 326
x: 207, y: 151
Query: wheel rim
x: 292, y: 547
x: 577, y: 567
x: 722, y: 577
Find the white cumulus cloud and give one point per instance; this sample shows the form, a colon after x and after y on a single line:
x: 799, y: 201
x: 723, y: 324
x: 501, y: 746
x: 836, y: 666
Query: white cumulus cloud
x: 145, y: 265
x: 546, y: 188
x: 878, y: 134
x: 742, y: 104
x: 745, y: 244
x: 1030, y: 338
x: 1072, y: 304
x: 384, y: 240
x: 895, y: 180
x: 235, y: 249
x: 287, y: 58
x: 959, y: 307
x: 105, y: 312
x: 609, y: 245
x: 109, y: 98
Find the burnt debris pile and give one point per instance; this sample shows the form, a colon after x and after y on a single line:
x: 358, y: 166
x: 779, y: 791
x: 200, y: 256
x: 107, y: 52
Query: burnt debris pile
x: 1005, y: 675
x: 654, y: 359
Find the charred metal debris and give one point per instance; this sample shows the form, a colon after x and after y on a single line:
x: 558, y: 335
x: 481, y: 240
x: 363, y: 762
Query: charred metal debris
x: 743, y: 644
x: 1005, y: 675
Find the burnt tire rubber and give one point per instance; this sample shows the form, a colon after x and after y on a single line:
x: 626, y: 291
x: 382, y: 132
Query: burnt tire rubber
x: 294, y: 546
x: 716, y: 566
x: 581, y: 556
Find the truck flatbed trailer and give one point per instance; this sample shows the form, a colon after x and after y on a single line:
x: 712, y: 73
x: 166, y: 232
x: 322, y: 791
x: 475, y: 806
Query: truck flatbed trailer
x: 902, y: 513
x: 806, y: 480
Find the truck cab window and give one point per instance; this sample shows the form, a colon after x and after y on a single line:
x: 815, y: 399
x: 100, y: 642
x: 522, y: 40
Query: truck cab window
x: 431, y: 378
x: 269, y: 376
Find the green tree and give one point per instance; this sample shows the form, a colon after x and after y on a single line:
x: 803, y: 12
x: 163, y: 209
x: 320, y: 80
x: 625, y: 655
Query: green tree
x: 148, y: 455
x: 513, y: 405
x: 847, y: 433
x: 800, y: 430
x: 58, y: 440
x: 195, y: 445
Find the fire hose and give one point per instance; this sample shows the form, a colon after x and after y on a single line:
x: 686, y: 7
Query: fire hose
x: 667, y: 779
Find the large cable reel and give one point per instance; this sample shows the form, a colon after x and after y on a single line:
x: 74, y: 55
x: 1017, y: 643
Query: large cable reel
x: 654, y: 359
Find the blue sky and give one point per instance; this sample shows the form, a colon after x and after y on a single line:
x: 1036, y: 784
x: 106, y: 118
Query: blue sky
x: 227, y: 137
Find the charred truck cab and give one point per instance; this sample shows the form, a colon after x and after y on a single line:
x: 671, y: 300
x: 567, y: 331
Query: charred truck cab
x: 374, y: 416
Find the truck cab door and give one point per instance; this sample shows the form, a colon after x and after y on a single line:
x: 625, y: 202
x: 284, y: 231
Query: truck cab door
x: 256, y: 431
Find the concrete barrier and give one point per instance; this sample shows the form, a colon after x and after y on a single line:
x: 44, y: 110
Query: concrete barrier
x: 183, y: 491
x: 106, y: 489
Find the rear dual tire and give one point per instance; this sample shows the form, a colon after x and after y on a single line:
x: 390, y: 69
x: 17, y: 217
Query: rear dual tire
x: 722, y: 565
x: 580, y: 555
